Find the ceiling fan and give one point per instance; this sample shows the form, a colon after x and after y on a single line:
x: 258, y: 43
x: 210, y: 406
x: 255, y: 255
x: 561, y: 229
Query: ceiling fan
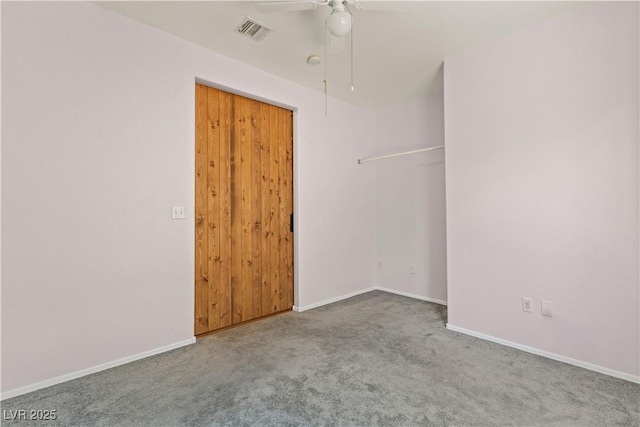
x: 339, y: 22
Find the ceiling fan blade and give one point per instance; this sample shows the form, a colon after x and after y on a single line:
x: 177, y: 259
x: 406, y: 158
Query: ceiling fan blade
x: 288, y: 6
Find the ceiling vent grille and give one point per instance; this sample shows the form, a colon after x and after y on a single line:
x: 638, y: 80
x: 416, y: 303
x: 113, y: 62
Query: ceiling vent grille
x: 253, y: 29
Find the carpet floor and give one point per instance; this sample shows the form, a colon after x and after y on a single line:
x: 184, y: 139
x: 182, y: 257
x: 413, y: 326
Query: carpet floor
x: 374, y: 359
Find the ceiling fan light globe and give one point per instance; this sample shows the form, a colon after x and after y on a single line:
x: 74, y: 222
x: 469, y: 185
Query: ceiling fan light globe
x: 339, y: 23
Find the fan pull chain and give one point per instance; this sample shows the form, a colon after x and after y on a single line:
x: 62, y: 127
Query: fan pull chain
x: 351, y: 41
x: 351, y: 37
x: 326, y: 60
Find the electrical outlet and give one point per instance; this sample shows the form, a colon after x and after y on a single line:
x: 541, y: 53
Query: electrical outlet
x: 177, y: 212
x: 527, y: 304
x: 412, y: 269
x: 546, y: 308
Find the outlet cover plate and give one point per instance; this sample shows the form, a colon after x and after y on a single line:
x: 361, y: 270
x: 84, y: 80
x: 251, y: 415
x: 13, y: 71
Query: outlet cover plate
x: 177, y: 212
x: 546, y: 308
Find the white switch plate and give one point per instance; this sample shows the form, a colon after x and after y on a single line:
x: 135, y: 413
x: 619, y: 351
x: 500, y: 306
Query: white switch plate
x: 177, y: 212
x: 546, y: 308
x: 412, y: 269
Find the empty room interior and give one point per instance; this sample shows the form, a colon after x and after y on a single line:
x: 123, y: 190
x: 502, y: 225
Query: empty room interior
x: 320, y: 212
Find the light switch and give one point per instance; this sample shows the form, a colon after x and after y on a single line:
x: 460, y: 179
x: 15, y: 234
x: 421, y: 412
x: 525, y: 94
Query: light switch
x: 177, y: 212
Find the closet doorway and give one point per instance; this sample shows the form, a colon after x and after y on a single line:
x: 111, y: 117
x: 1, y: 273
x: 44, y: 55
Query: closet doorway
x: 243, y: 209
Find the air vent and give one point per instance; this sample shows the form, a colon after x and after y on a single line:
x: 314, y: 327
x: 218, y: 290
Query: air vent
x: 252, y: 29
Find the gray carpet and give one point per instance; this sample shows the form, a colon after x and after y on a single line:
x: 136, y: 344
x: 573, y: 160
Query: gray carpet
x: 375, y: 359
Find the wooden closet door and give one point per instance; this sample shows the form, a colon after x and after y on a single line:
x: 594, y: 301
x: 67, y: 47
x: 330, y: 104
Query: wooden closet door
x: 244, y: 199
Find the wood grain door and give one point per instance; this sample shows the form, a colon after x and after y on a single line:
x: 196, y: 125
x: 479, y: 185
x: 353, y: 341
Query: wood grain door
x: 243, y: 209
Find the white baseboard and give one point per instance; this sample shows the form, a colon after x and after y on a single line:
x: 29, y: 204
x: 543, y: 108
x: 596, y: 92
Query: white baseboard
x: 549, y: 355
x: 408, y: 295
x: 332, y: 300
x: 68, y: 377
x: 364, y: 291
x: 83, y: 372
x: 63, y: 378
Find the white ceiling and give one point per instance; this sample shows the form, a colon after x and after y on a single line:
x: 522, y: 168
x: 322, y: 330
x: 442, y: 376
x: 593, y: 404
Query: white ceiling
x: 398, y: 53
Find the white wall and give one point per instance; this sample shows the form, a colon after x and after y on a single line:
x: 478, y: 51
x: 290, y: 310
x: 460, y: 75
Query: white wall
x: 98, y: 144
x: 542, y: 186
x: 410, y: 196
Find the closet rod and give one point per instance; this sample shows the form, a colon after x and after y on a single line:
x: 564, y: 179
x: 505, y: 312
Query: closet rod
x: 371, y: 159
